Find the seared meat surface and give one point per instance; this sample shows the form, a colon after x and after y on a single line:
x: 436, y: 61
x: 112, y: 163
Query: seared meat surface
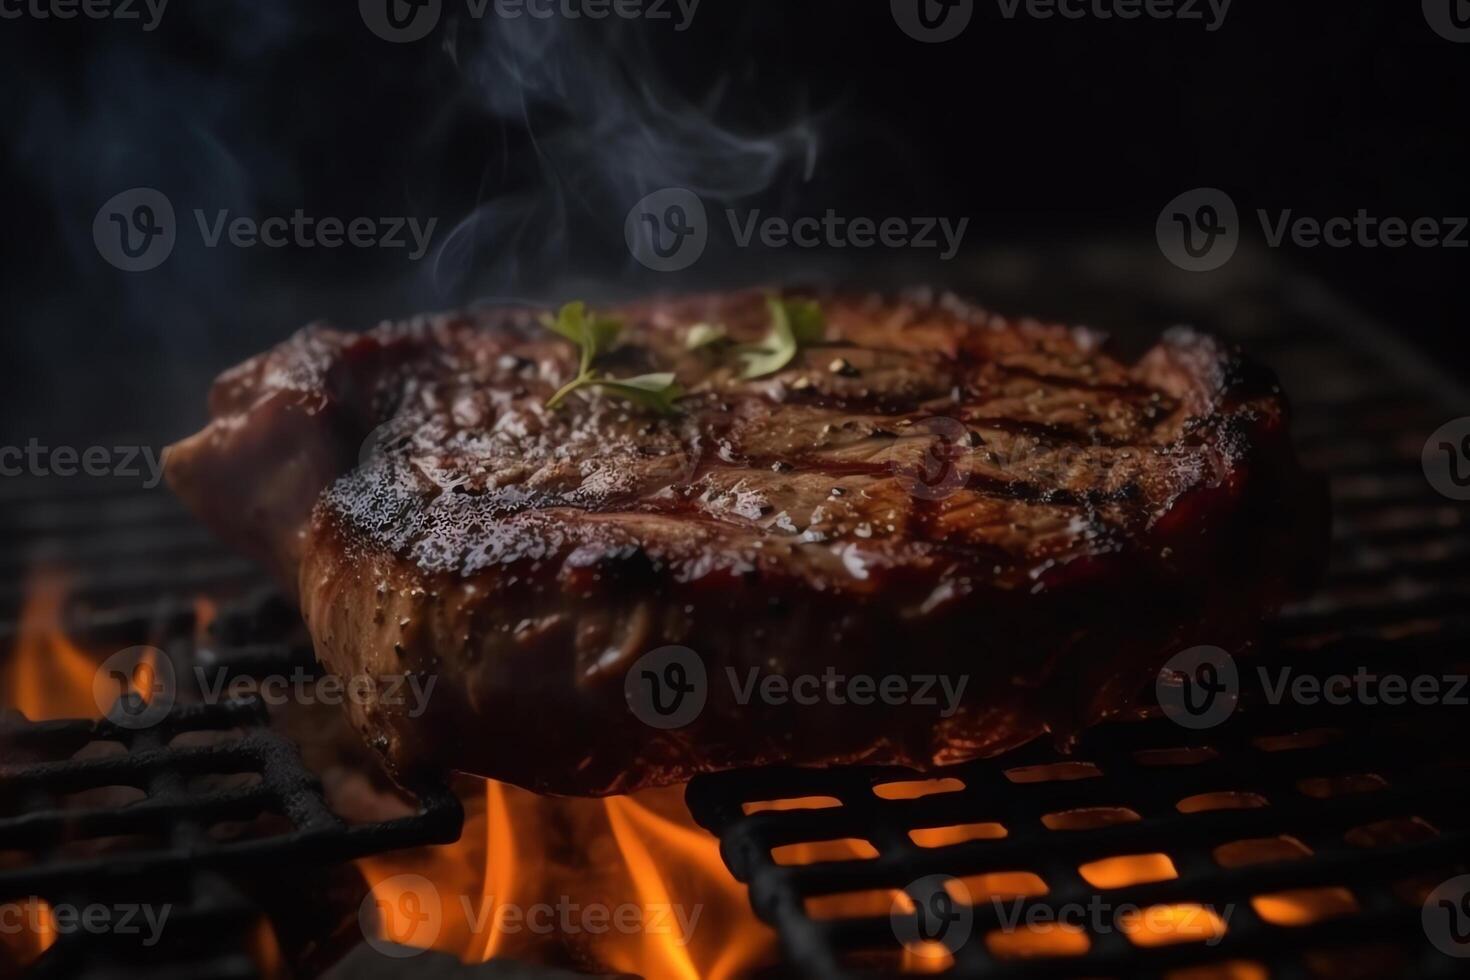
x: 929, y: 491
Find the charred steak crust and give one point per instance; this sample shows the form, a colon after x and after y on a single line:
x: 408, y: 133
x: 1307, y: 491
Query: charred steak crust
x: 932, y: 490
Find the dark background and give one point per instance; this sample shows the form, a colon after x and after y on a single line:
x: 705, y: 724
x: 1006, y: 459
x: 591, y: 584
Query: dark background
x: 531, y: 142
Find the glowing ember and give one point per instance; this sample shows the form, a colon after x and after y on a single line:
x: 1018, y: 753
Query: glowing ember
x: 627, y: 884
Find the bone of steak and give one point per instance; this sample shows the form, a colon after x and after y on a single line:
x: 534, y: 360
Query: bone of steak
x: 930, y: 492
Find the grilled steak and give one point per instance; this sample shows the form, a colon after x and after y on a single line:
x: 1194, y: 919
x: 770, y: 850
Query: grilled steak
x: 929, y: 491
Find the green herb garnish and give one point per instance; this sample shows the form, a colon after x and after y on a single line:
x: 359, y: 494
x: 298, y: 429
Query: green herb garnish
x: 595, y: 335
x: 793, y: 323
x: 703, y: 335
x: 655, y: 392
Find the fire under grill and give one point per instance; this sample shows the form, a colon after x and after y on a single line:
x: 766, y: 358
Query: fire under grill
x: 198, y: 810
x: 1291, y: 840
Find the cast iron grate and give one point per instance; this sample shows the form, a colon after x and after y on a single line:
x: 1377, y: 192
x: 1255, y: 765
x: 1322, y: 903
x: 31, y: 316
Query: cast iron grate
x: 96, y: 812
x: 1321, y: 828
x: 1326, y: 807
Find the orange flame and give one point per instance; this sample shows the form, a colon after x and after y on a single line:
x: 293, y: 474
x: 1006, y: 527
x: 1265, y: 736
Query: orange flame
x: 31, y: 931
x: 206, y: 610
x: 627, y: 884
x: 46, y: 675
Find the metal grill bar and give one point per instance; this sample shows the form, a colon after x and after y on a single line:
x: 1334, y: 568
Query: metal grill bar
x: 171, y: 850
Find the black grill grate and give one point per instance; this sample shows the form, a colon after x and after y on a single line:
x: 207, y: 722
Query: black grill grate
x: 1370, y: 801
x: 177, y: 815
x: 206, y: 765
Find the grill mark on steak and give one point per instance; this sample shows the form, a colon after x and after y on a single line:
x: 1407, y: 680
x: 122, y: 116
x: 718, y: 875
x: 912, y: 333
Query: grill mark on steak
x: 1109, y: 515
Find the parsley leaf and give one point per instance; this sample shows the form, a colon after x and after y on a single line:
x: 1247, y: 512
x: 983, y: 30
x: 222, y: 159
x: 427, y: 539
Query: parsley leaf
x: 655, y: 392
x: 703, y: 335
x: 594, y: 335
x: 793, y: 323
